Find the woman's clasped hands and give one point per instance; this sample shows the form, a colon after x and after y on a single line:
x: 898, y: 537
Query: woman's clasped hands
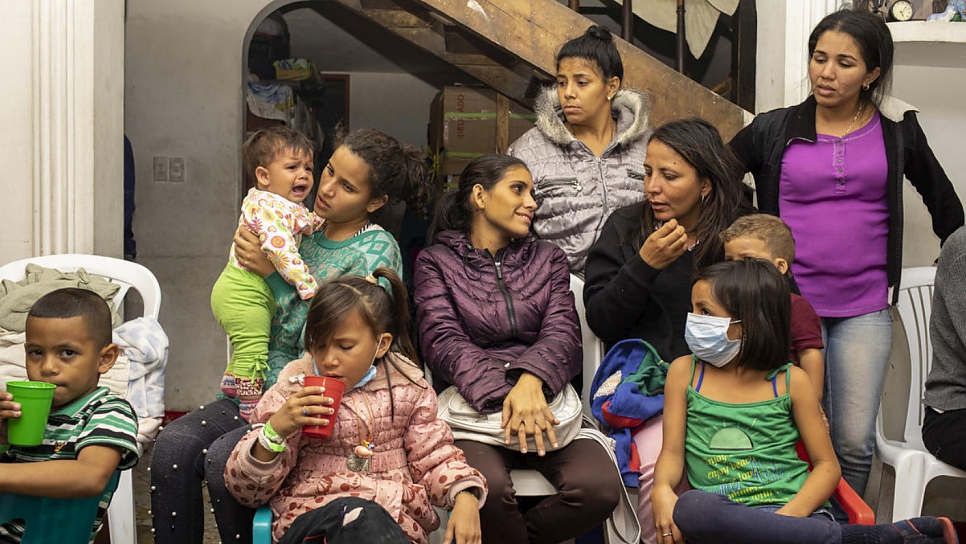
x: 525, y: 412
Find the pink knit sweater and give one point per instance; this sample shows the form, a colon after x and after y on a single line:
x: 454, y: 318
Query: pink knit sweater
x: 415, y: 465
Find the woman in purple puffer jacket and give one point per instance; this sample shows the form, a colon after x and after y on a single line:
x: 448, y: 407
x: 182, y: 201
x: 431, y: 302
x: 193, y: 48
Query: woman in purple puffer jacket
x: 497, y: 319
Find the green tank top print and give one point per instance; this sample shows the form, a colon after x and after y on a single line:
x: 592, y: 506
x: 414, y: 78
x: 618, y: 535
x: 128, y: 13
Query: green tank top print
x: 743, y: 451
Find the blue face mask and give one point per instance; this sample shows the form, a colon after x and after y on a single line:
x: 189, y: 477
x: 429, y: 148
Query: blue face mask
x: 370, y: 374
x: 707, y: 337
x: 366, y: 378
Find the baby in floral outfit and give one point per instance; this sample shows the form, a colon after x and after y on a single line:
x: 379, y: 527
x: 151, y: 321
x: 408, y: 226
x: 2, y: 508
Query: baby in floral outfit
x: 279, y: 161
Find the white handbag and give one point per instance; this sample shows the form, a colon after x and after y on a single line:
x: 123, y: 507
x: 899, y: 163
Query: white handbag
x: 622, y: 526
x: 468, y: 424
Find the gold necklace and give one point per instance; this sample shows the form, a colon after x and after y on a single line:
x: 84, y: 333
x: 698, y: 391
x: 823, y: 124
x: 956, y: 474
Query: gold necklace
x: 359, y: 458
x: 857, y: 112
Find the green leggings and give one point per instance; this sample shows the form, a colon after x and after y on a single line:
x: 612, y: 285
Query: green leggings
x: 244, y: 306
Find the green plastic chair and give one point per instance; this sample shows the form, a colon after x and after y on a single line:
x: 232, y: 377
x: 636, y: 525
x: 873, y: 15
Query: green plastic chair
x: 68, y: 521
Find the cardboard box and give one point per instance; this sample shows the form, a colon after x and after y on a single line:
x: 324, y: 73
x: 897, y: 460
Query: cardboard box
x: 466, y: 122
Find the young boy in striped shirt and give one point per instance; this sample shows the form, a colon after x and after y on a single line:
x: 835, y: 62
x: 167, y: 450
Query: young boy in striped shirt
x: 90, y: 432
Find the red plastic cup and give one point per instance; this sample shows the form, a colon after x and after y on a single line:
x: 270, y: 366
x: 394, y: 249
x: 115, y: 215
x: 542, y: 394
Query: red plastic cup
x: 333, y: 388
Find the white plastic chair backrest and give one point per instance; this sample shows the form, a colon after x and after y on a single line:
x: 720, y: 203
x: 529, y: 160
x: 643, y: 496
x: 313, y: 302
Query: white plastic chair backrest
x: 124, y: 273
x: 915, y: 308
x: 593, y: 347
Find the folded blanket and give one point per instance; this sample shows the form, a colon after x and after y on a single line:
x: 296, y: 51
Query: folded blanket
x: 16, y: 298
x: 145, y: 344
x: 270, y: 100
x: 628, y: 389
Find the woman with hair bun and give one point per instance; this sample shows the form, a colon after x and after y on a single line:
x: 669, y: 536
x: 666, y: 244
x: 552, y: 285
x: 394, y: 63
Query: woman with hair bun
x: 368, y: 169
x: 586, y: 153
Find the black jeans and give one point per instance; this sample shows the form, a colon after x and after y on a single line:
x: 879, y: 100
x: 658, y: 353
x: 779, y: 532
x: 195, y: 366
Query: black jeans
x: 945, y: 436
x: 707, y: 518
x: 349, y: 520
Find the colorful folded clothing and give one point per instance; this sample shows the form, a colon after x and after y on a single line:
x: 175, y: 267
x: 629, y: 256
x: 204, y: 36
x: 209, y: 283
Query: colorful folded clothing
x: 270, y: 100
x: 628, y: 389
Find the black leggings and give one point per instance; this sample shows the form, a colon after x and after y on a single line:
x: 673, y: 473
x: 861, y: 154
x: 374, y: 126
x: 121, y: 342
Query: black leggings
x: 945, y: 436
x: 189, y: 451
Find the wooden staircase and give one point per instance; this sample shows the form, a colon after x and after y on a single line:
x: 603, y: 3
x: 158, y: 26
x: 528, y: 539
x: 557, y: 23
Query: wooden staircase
x: 510, y: 44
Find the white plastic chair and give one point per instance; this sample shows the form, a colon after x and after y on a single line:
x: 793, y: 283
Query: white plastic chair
x: 120, y: 513
x: 915, y: 466
x: 530, y: 483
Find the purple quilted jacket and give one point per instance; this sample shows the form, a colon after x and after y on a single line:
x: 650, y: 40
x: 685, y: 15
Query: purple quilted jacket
x: 483, y: 320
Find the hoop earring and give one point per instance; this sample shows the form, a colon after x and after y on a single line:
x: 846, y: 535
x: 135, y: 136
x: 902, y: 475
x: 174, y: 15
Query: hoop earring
x: 865, y: 87
x: 704, y: 198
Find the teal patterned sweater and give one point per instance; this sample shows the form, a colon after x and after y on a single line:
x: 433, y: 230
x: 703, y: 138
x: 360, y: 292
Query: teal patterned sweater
x: 359, y: 255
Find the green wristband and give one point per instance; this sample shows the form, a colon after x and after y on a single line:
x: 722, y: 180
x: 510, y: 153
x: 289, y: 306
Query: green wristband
x: 270, y: 440
x: 271, y: 434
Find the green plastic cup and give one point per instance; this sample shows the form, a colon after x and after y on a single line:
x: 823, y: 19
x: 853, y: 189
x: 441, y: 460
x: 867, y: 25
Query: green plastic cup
x: 35, y: 399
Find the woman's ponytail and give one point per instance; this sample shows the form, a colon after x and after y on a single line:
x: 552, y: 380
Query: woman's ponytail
x: 397, y: 171
x: 453, y: 211
x: 400, y: 312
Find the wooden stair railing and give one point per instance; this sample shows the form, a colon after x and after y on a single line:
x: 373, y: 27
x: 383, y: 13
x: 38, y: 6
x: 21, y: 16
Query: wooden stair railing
x: 510, y: 44
x: 534, y: 30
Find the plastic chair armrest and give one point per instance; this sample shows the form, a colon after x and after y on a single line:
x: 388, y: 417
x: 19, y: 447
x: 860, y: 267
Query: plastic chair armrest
x: 262, y: 526
x: 859, y: 512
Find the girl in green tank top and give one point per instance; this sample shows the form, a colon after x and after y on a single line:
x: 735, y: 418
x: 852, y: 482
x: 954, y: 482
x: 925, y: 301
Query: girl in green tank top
x: 733, y: 412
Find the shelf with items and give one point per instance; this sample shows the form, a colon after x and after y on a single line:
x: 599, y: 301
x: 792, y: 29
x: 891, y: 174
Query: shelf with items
x: 930, y: 43
x: 288, y: 99
x: 929, y: 73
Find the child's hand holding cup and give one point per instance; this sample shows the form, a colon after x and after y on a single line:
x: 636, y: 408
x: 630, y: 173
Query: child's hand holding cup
x: 332, y: 388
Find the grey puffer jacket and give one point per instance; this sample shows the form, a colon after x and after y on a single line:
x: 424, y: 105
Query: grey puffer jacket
x: 484, y: 320
x: 576, y: 190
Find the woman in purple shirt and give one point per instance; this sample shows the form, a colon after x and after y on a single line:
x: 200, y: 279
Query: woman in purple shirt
x: 832, y: 168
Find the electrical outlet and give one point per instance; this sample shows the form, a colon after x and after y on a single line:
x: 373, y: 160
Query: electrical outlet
x: 176, y: 169
x: 160, y: 169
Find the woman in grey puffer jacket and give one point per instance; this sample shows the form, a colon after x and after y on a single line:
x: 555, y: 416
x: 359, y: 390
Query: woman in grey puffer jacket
x: 586, y: 153
x: 497, y: 320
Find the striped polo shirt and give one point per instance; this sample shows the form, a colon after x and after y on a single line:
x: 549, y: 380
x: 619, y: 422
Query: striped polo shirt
x: 98, y: 419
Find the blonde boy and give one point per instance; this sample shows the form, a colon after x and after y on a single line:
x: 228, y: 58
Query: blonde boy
x: 762, y: 236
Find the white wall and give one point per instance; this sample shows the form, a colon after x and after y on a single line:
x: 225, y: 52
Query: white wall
x: 183, y: 79
x: 395, y: 103
x: 942, y: 114
x: 16, y: 135
x: 62, y: 131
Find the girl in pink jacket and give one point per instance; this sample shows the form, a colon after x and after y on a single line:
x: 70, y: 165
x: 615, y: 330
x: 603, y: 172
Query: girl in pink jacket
x: 387, y: 447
